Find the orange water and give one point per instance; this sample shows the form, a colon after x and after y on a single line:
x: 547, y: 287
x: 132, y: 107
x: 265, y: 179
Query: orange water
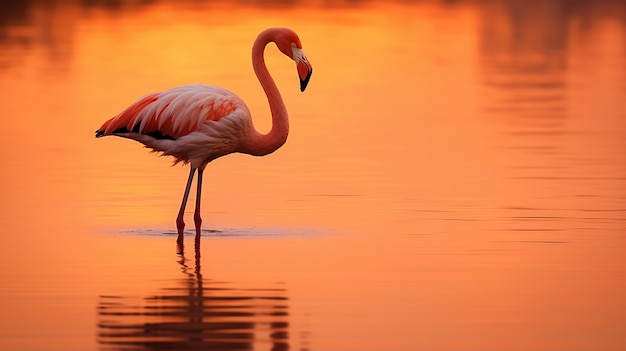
x: 454, y: 178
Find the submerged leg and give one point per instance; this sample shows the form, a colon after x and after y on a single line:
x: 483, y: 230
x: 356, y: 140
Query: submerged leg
x: 196, y: 216
x: 180, y: 223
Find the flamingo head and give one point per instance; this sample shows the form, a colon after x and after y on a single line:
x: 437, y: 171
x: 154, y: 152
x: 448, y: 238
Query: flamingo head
x: 289, y: 44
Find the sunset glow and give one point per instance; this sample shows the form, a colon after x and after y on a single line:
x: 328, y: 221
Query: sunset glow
x: 454, y: 178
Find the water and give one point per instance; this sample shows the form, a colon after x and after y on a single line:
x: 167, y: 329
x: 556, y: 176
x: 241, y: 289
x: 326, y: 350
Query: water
x: 454, y: 178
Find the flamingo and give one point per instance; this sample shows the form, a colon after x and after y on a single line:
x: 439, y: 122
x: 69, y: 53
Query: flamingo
x: 199, y: 123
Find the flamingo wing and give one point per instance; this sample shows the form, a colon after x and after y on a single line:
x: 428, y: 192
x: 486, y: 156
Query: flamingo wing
x: 173, y: 113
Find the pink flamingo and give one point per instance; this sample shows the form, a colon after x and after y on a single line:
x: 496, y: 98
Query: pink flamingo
x: 197, y: 123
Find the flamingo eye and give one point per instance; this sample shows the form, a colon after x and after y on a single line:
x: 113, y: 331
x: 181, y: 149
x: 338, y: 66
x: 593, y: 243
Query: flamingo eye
x: 293, y: 45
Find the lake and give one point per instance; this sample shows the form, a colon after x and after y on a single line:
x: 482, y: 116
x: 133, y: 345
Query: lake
x: 454, y: 179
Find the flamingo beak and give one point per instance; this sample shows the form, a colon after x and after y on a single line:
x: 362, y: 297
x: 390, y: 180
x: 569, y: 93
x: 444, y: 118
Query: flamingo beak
x: 303, y: 66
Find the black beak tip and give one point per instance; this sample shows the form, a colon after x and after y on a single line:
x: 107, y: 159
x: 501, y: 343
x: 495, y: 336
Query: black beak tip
x: 304, y: 82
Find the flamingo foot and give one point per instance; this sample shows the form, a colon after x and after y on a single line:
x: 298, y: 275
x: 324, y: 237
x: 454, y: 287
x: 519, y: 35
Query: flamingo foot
x: 180, y: 248
x: 197, y: 249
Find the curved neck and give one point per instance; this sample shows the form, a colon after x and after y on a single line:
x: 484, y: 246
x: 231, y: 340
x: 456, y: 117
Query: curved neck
x: 262, y: 144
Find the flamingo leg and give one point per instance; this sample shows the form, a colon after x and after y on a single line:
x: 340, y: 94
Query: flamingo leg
x: 180, y: 223
x: 196, y: 216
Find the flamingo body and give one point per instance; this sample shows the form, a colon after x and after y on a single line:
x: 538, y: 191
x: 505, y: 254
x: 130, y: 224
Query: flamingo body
x: 194, y: 123
x: 198, y: 123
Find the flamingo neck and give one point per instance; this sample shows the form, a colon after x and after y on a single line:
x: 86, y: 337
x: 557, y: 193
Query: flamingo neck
x: 262, y: 144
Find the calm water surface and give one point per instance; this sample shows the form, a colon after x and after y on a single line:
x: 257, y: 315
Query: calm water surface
x: 454, y: 179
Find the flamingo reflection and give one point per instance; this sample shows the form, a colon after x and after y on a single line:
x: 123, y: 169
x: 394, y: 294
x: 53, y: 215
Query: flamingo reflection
x: 195, y: 314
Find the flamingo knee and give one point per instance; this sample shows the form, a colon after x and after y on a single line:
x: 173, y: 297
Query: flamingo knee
x: 198, y: 222
x: 180, y: 226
